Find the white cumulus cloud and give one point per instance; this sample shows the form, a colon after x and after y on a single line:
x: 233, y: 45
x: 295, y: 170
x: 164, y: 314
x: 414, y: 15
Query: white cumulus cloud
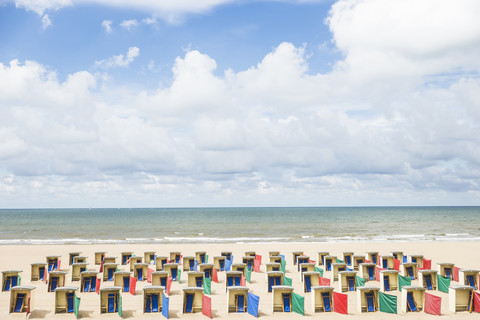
x: 129, y: 24
x: 107, y: 25
x: 119, y: 60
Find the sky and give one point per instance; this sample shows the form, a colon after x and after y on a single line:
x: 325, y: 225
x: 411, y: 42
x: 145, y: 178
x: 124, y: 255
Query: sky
x: 218, y: 103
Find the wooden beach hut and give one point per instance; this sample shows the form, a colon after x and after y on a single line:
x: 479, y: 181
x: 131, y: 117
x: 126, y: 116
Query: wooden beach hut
x: 469, y: 277
x: 296, y: 254
x: 301, y: 260
x: 160, y: 261
x: 219, y: 263
x: 388, y: 262
x: 282, y: 298
x: 88, y: 281
x: 149, y: 256
x: 56, y: 279
x: 310, y: 279
x: 322, y: 299
x: 275, y: 259
x: 108, y: 271
x: 418, y: 259
x: 327, y: 262
x: 109, y: 260
x: 239, y: 267
x: 71, y: 255
x: 273, y: 253
x: 272, y: 267
x: 110, y: 299
x: 227, y: 254
x: 306, y: 267
x: 78, y: 268
x: 250, y: 254
x: 10, y: 279
x: 122, y: 279
x: 336, y: 268
x: 38, y: 271
x: 233, y: 278
x: 367, y: 299
x: 357, y: 260
x: 175, y: 256
x: 195, y: 279
x: 348, y: 258
x: 65, y: 299
x: 126, y: 257
x: 388, y: 280
x: 189, y: 263
x: 53, y: 262
x: 372, y: 256
x: 133, y: 261
x: 206, y: 268
x: 428, y: 279
x: 445, y: 269
x: 152, y: 299
x: 21, y: 299
x: 99, y: 256
x: 397, y: 255
x: 248, y: 260
x: 201, y: 257
x: 159, y: 278
x: 192, y: 299
x: 237, y: 299
x: 409, y: 269
x: 320, y: 257
x: 79, y: 259
x: 460, y: 298
x: 140, y: 271
x: 274, y: 278
x: 413, y: 299
x: 367, y: 271
x: 346, y: 281
x: 172, y: 269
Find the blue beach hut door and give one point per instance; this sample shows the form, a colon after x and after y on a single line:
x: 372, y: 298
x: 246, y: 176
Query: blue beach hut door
x: 192, y: 265
x: 308, y: 284
x: 326, y: 302
x: 126, y: 284
x: 240, y: 303
x: 199, y: 282
x: 189, y: 303
x: 19, y: 302
x: 174, y: 274
x: 286, y: 302
x: 370, y: 306
x: 70, y: 304
x: 41, y: 272
x: 112, y: 303
x: 230, y: 281
x: 386, y: 283
x: 371, y: 273
x: 222, y: 265
x: 86, y: 284
x: 53, y: 283
x: 140, y: 274
x: 428, y: 282
x: 411, y: 302
x: 163, y: 282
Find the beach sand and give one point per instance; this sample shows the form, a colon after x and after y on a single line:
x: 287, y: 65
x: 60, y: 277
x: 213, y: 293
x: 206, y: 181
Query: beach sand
x: 19, y: 257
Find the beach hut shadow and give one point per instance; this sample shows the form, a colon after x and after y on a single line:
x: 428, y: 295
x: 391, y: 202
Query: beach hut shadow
x: 85, y: 314
x: 126, y: 314
x: 39, y: 314
x: 173, y: 314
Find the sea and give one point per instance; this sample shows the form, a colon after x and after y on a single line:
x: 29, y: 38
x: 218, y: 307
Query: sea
x: 238, y: 225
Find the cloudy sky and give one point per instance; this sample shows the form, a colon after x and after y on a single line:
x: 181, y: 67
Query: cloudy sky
x: 156, y: 103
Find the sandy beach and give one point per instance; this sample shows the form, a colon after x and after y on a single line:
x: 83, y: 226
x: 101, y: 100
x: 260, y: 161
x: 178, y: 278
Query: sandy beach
x: 19, y: 257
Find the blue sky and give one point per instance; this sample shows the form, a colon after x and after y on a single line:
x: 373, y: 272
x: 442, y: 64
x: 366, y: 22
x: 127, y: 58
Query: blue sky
x: 239, y: 103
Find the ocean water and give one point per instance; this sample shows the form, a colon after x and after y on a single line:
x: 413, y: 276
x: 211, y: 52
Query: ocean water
x: 238, y: 225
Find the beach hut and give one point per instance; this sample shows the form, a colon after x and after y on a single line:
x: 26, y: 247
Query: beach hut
x: 192, y: 299
x: 320, y: 257
x: 21, y: 299
x: 172, y: 269
x: 367, y: 299
x: 302, y: 259
x: 348, y: 258
x: 310, y: 278
x: 469, y: 277
x: 397, y: 255
x: 413, y: 299
x: 152, y: 299
x: 140, y: 271
x: 53, y: 263
x: 248, y: 260
x: 273, y: 253
x: 322, y: 299
x: 327, y: 262
x: 126, y: 257
x: 133, y: 261
x: 219, y: 263
x: 38, y: 271
x: 367, y: 271
x: 175, y: 256
x: 78, y: 268
x: 445, y: 269
x: 282, y: 298
x: 428, y: 279
x: 272, y: 267
x: 409, y: 269
x: 201, y: 257
x: 110, y: 299
x: 56, y: 279
x: 388, y: 262
x: 149, y: 256
x: 250, y: 253
x: 275, y: 259
x: 122, y: 279
x: 109, y: 260
x: 195, y: 279
x: 108, y: 271
x: 418, y: 259
x: 306, y: 267
x: 71, y: 255
x: 388, y: 280
x: 227, y: 254
x: 237, y: 299
x: 372, y: 256
x: 296, y: 254
x: 233, y: 278
x: 88, y: 281
x: 65, y: 299
x: 188, y: 263
x: 206, y: 268
x: 79, y: 259
x: 346, y: 281
x: 239, y: 267
x: 159, y: 278
x: 336, y: 268
x: 10, y: 279
x: 274, y: 278
x: 357, y: 260
x: 160, y: 261
x: 460, y: 298
x: 99, y: 257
